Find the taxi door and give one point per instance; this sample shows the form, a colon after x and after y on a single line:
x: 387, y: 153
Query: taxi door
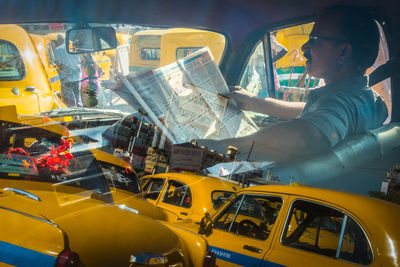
x: 320, y: 234
x: 243, y: 230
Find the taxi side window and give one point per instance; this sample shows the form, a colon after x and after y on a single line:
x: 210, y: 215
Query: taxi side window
x: 182, y: 52
x: 153, y: 188
x: 324, y: 230
x: 143, y: 182
x: 250, y: 215
x: 219, y: 197
x: 178, y: 194
x: 12, y: 67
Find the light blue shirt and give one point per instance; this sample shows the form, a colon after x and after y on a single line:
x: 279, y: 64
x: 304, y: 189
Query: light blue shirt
x: 344, y: 108
x: 69, y: 64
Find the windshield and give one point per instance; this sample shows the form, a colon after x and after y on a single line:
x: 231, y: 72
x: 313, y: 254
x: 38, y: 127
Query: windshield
x: 74, y: 103
x: 160, y: 97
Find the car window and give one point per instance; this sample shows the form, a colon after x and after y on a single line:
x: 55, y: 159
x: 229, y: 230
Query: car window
x: 326, y: 231
x: 143, y: 182
x: 153, y: 188
x: 80, y: 170
x: 291, y: 81
x: 182, y: 52
x: 254, y: 78
x: 250, y: 215
x: 178, y: 194
x: 150, y: 53
x: 121, y: 178
x: 12, y: 67
x: 220, y: 197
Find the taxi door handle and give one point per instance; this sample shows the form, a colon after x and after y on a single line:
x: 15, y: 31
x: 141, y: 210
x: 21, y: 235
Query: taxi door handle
x: 252, y: 249
x: 185, y: 213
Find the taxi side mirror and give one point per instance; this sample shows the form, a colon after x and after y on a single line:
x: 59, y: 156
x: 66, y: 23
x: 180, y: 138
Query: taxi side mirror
x: 90, y: 39
x: 206, y: 225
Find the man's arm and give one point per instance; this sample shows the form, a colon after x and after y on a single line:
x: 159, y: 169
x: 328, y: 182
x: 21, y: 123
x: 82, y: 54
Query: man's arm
x: 269, y: 106
x: 58, y: 58
x: 286, y: 141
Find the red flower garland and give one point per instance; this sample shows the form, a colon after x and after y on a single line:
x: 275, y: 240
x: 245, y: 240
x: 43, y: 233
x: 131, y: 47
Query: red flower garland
x: 57, y: 161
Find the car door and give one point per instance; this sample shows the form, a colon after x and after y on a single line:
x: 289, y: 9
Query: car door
x: 320, y: 234
x: 243, y: 230
x: 177, y: 198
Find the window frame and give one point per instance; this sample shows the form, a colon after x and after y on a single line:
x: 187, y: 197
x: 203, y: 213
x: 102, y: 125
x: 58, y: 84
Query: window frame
x: 220, y: 191
x: 150, y: 182
x: 166, y: 192
x: 288, y: 215
x: 242, y: 196
x: 24, y: 74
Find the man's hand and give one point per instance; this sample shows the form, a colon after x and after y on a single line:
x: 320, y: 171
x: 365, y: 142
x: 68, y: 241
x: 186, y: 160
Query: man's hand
x: 242, y: 97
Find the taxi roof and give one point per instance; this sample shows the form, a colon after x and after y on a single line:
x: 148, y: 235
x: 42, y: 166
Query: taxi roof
x: 207, y: 182
x: 363, y: 207
x: 339, y: 198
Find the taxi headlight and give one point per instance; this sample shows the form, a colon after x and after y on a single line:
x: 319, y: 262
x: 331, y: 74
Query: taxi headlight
x: 174, y: 259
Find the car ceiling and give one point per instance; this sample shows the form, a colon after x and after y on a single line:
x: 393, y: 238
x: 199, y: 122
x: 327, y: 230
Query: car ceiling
x: 234, y: 17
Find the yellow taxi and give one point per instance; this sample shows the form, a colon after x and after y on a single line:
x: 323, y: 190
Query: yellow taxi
x: 187, y: 195
x: 47, y: 187
x: 282, y: 225
x: 41, y: 203
x: 23, y: 78
x: 156, y: 48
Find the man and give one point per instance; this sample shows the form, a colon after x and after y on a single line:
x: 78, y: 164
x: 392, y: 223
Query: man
x: 343, y: 44
x: 70, y: 74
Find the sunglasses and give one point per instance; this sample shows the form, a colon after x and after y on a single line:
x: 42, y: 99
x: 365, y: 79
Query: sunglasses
x: 313, y: 38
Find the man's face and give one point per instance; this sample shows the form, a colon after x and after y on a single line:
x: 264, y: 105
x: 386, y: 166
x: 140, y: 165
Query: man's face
x: 321, y: 51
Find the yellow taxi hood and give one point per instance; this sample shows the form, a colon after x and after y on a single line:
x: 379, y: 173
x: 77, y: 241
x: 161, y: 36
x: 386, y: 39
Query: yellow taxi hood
x: 116, y: 233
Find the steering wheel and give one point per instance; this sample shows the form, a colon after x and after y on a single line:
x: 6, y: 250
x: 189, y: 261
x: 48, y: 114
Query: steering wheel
x: 251, y: 229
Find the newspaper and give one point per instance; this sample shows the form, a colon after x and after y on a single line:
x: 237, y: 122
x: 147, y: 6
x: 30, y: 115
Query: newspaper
x: 185, y: 99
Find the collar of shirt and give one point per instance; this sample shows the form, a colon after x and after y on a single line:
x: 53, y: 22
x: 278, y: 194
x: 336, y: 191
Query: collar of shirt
x: 353, y: 83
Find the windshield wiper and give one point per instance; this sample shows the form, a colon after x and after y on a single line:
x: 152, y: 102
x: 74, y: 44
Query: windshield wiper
x: 76, y: 111
x: 22, y: 193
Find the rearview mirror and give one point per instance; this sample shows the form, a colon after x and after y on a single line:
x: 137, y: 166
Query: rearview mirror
x: 90, y: 39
